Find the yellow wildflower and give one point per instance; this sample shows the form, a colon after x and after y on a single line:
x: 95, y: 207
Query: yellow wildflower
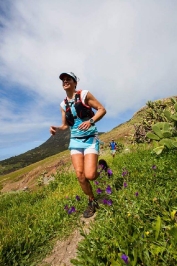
x: 173, y: 213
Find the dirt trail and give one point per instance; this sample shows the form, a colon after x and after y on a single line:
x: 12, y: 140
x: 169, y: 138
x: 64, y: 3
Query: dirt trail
x: 66, y: 250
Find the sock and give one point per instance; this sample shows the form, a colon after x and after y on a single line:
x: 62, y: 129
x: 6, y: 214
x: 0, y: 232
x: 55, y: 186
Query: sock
x: 91, y: 199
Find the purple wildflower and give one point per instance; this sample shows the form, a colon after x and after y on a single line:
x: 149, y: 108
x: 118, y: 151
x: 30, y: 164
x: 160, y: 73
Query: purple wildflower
x: 99, y: 191
x: 71, y: 210
x: 125, y: 258
x: 105, y: 201
x: 109, y: 172
x: 109, y: 202
x: 154, y: 167
x: 108, y: 190
x: 96, y: 182
x: 78, y: 198
x: 125, y: 184
x: 100, y: 169
x: 100, y: 166
x: 124, y: 173
x: 136, y: 194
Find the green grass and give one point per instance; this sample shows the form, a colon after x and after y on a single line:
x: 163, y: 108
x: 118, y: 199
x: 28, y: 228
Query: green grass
x: 141, y: 222
x: 29, y: 221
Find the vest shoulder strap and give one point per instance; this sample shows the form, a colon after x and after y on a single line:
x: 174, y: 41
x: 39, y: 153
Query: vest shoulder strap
x: 66, y: 103
x: 78, y: 96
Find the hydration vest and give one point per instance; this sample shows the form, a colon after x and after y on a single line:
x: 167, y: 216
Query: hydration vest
x: 82, y: 110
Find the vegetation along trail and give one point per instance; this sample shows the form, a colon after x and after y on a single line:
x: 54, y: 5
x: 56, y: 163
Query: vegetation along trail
x: 137, y: 220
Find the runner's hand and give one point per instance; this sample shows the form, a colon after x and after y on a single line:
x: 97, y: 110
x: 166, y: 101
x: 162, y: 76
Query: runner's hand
x: 85, y: 125
x: 53, y: 130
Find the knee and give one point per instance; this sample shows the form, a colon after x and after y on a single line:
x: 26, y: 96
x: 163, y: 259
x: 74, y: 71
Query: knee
x: 87, y: 176
x: 91, y: 175
x: 80, y: 176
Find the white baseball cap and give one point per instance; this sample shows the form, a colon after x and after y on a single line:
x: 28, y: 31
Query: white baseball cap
x: 71, y: 74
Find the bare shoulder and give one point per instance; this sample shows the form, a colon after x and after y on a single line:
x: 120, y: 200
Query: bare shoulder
x: 89, y: 97
x: 93, y: 102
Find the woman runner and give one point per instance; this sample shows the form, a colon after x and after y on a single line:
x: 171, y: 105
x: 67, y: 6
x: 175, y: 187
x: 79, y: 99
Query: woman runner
x: 76, y: 111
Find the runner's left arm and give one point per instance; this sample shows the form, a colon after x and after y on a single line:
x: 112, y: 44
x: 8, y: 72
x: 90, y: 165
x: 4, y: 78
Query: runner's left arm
x: 95, y: 104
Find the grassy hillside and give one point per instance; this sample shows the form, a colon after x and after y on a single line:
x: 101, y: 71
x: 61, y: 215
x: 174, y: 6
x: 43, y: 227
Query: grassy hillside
x: 135, y: 225
x: 29, y: 175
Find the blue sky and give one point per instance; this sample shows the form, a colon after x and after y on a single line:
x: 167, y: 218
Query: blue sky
x: 124, y: 52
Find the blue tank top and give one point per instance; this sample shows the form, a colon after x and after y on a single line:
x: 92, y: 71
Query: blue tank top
x: 75, y: 132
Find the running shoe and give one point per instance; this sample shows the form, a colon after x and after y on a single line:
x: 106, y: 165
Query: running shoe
x: 91, y: 208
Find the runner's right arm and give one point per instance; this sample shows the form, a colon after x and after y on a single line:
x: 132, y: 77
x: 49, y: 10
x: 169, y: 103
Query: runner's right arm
x: 64, y: 125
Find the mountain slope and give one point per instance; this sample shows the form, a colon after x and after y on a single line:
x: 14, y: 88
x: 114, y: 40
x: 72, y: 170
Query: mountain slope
x: 53, y: 145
